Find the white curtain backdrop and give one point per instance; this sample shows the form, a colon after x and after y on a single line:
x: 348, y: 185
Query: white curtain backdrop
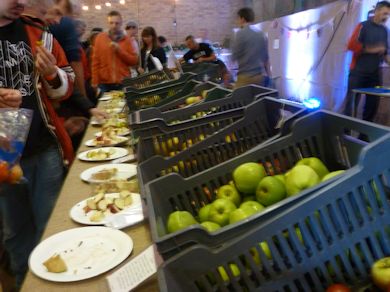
x: 308, y: 51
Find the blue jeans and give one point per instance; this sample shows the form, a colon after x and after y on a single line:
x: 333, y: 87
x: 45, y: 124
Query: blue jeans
x: 26, y: 208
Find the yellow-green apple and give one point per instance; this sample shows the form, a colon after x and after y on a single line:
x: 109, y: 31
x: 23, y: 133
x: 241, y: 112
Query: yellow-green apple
x: 281, y: 177
x: 179, y: 220
x: 247, y: 176
x: 301, y: 177
x: 204, y: 213
x: 256, y: 206
x: 332, y: 174
x: 220, y: 211
x: 241, y: 214
x: 380, y: 273
x: 270, y: 190
x: 316, y: 164
x: 210, y: 226
x: 233, y: 269
x: 229, y: 192
x: 248, y: 198
x: 255, y: 254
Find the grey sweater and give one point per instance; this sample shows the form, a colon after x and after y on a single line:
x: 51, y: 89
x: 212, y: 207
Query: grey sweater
x: 250, y: 50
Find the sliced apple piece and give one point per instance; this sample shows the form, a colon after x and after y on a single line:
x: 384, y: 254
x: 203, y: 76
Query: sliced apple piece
x: 102, y: 205
x: 128, y: 201
x: 91, y: 204
x: 124, y: 194
x: 120, y: 203
x: 97, y: 216
x: 109, y: 200
x: 98, y: 197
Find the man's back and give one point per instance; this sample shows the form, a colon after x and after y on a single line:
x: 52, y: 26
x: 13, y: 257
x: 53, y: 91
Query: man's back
x: 250, y: 49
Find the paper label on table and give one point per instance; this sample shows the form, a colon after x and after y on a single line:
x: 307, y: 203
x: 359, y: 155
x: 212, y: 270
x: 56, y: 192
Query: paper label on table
x: 134, y: 273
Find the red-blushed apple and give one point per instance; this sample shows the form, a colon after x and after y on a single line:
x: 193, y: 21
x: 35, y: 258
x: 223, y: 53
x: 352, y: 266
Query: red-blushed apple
x: 332, y: 174
x: 220, y: 211
x: 300, y: 177
x: 380, y: 273
x: 204, y: 213
x: 247, y: 176
x: 210, y: 226
x: 256, y: 206
x: 179, y: 220
x: 270, y: 190
x: 338, y: 288
x: 233, y: 269
x: 316, y: 164
x: 230, y: 193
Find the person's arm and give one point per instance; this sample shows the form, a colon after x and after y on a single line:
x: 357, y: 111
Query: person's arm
x: 10, y: 98
x: 126, y: 52
x: 355, y: 44
x: 78, y: 70
x: 267, y: 64
x: 95, y: 60
x: 237, y: 46
x: 187, y: 56
x: 212, y: 58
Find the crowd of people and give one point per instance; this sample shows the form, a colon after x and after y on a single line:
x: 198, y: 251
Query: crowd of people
x: 47, y: 68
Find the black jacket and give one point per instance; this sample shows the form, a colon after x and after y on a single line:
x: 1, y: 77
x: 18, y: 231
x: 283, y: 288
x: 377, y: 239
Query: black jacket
x: 158, y: 53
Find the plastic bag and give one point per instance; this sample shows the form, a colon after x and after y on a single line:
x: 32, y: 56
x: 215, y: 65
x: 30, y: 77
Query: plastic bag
x: 14, y: 128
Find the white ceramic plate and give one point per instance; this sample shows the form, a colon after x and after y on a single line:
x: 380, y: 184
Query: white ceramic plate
x: 87, y: 252
x: 119, y: 141
x: 124, y: 133
x: 77, y: 212
x: 125, y: 171
x: 118, y: 153
x: 117, y: 103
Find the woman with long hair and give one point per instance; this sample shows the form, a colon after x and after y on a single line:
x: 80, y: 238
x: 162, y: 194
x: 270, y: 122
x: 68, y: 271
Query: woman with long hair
x: 149, y: 49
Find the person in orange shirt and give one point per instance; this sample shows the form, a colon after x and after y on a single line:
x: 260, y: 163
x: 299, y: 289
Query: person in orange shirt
x: 112, y: 56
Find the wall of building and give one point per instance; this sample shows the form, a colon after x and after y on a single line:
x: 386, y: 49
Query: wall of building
x: 174, y: 19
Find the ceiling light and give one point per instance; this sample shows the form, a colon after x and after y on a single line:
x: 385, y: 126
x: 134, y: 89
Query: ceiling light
x: 98, y: 7
x: 108, y: 4
x: 85, y: 7
x: 122, y: 1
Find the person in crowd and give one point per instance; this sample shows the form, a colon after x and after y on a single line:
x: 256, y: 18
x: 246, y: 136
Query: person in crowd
x: 112, y: 55
x: 132, y: 32
x: 250, y: 50
x: 38, y: 76
x: 150, y: 48
x: 162, y: 41
x: 369, y: 44
x: 201, y: 53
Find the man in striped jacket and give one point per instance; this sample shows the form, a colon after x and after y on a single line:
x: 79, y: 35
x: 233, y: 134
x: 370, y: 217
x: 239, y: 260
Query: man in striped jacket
x: 34, y: 74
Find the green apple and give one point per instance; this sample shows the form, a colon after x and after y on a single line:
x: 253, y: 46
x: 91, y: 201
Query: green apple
x: 248, y: 198
x: 241, y: 214
x: 256, y: 206
x: 270, y: 191
x: 380, y: 273
x: 204, y: 213
x: 179, y: 220
x: 247, y: 176
x: 210, y: 226
x: 233, y: 269
x: 281, y: 177
x: 316, y: 164
x: 230, y: 193
x: 301, y: 177
x: 220, y: 211
x: 255, y: 254
x: 332, y: 174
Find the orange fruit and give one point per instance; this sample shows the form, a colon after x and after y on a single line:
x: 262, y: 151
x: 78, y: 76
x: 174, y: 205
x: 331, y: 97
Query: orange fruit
x: 15, y: 174
x: 3, y: 171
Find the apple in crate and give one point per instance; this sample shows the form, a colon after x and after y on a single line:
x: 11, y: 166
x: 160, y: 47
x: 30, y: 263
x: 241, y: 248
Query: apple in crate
x: 270, y: 190
x: 332, y: 174
x: 247, y: 176
x: 241, y: 214
x: 316, y: 164
x: 220, y: 211
x: 256, y: 206
x: 204, y: 213
x: 229, y: 192
x: 210, y: 226
x: 299, y: 178
x: 179, y: 220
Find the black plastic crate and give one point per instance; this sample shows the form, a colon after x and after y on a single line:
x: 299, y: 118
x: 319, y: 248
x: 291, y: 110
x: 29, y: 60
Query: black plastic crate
x: 212, y: 104
x: 345, y: 228
x: 321, y: 134
x: 259, y: 123
x: 204, y: 71
x: 148, y: 79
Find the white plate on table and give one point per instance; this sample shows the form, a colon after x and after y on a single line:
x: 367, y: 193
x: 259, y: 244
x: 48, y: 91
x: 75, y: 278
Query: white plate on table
x: 119, y: 141
x: 118, y: 153
x: 125, y: 171
x: 118, y: 103
x: 124, y: 133
x: 77, y: 212
x: 87, y: 252
x: 106, y: 97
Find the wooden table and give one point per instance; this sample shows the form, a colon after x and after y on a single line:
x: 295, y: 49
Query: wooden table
x: 73, y: 191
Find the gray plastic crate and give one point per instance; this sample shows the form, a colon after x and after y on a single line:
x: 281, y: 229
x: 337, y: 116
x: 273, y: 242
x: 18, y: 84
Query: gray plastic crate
x: 320, y: 134
x: 345, y: 228
x: 149, y: 79
x: 258, y: 125
x: 204, y: 71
